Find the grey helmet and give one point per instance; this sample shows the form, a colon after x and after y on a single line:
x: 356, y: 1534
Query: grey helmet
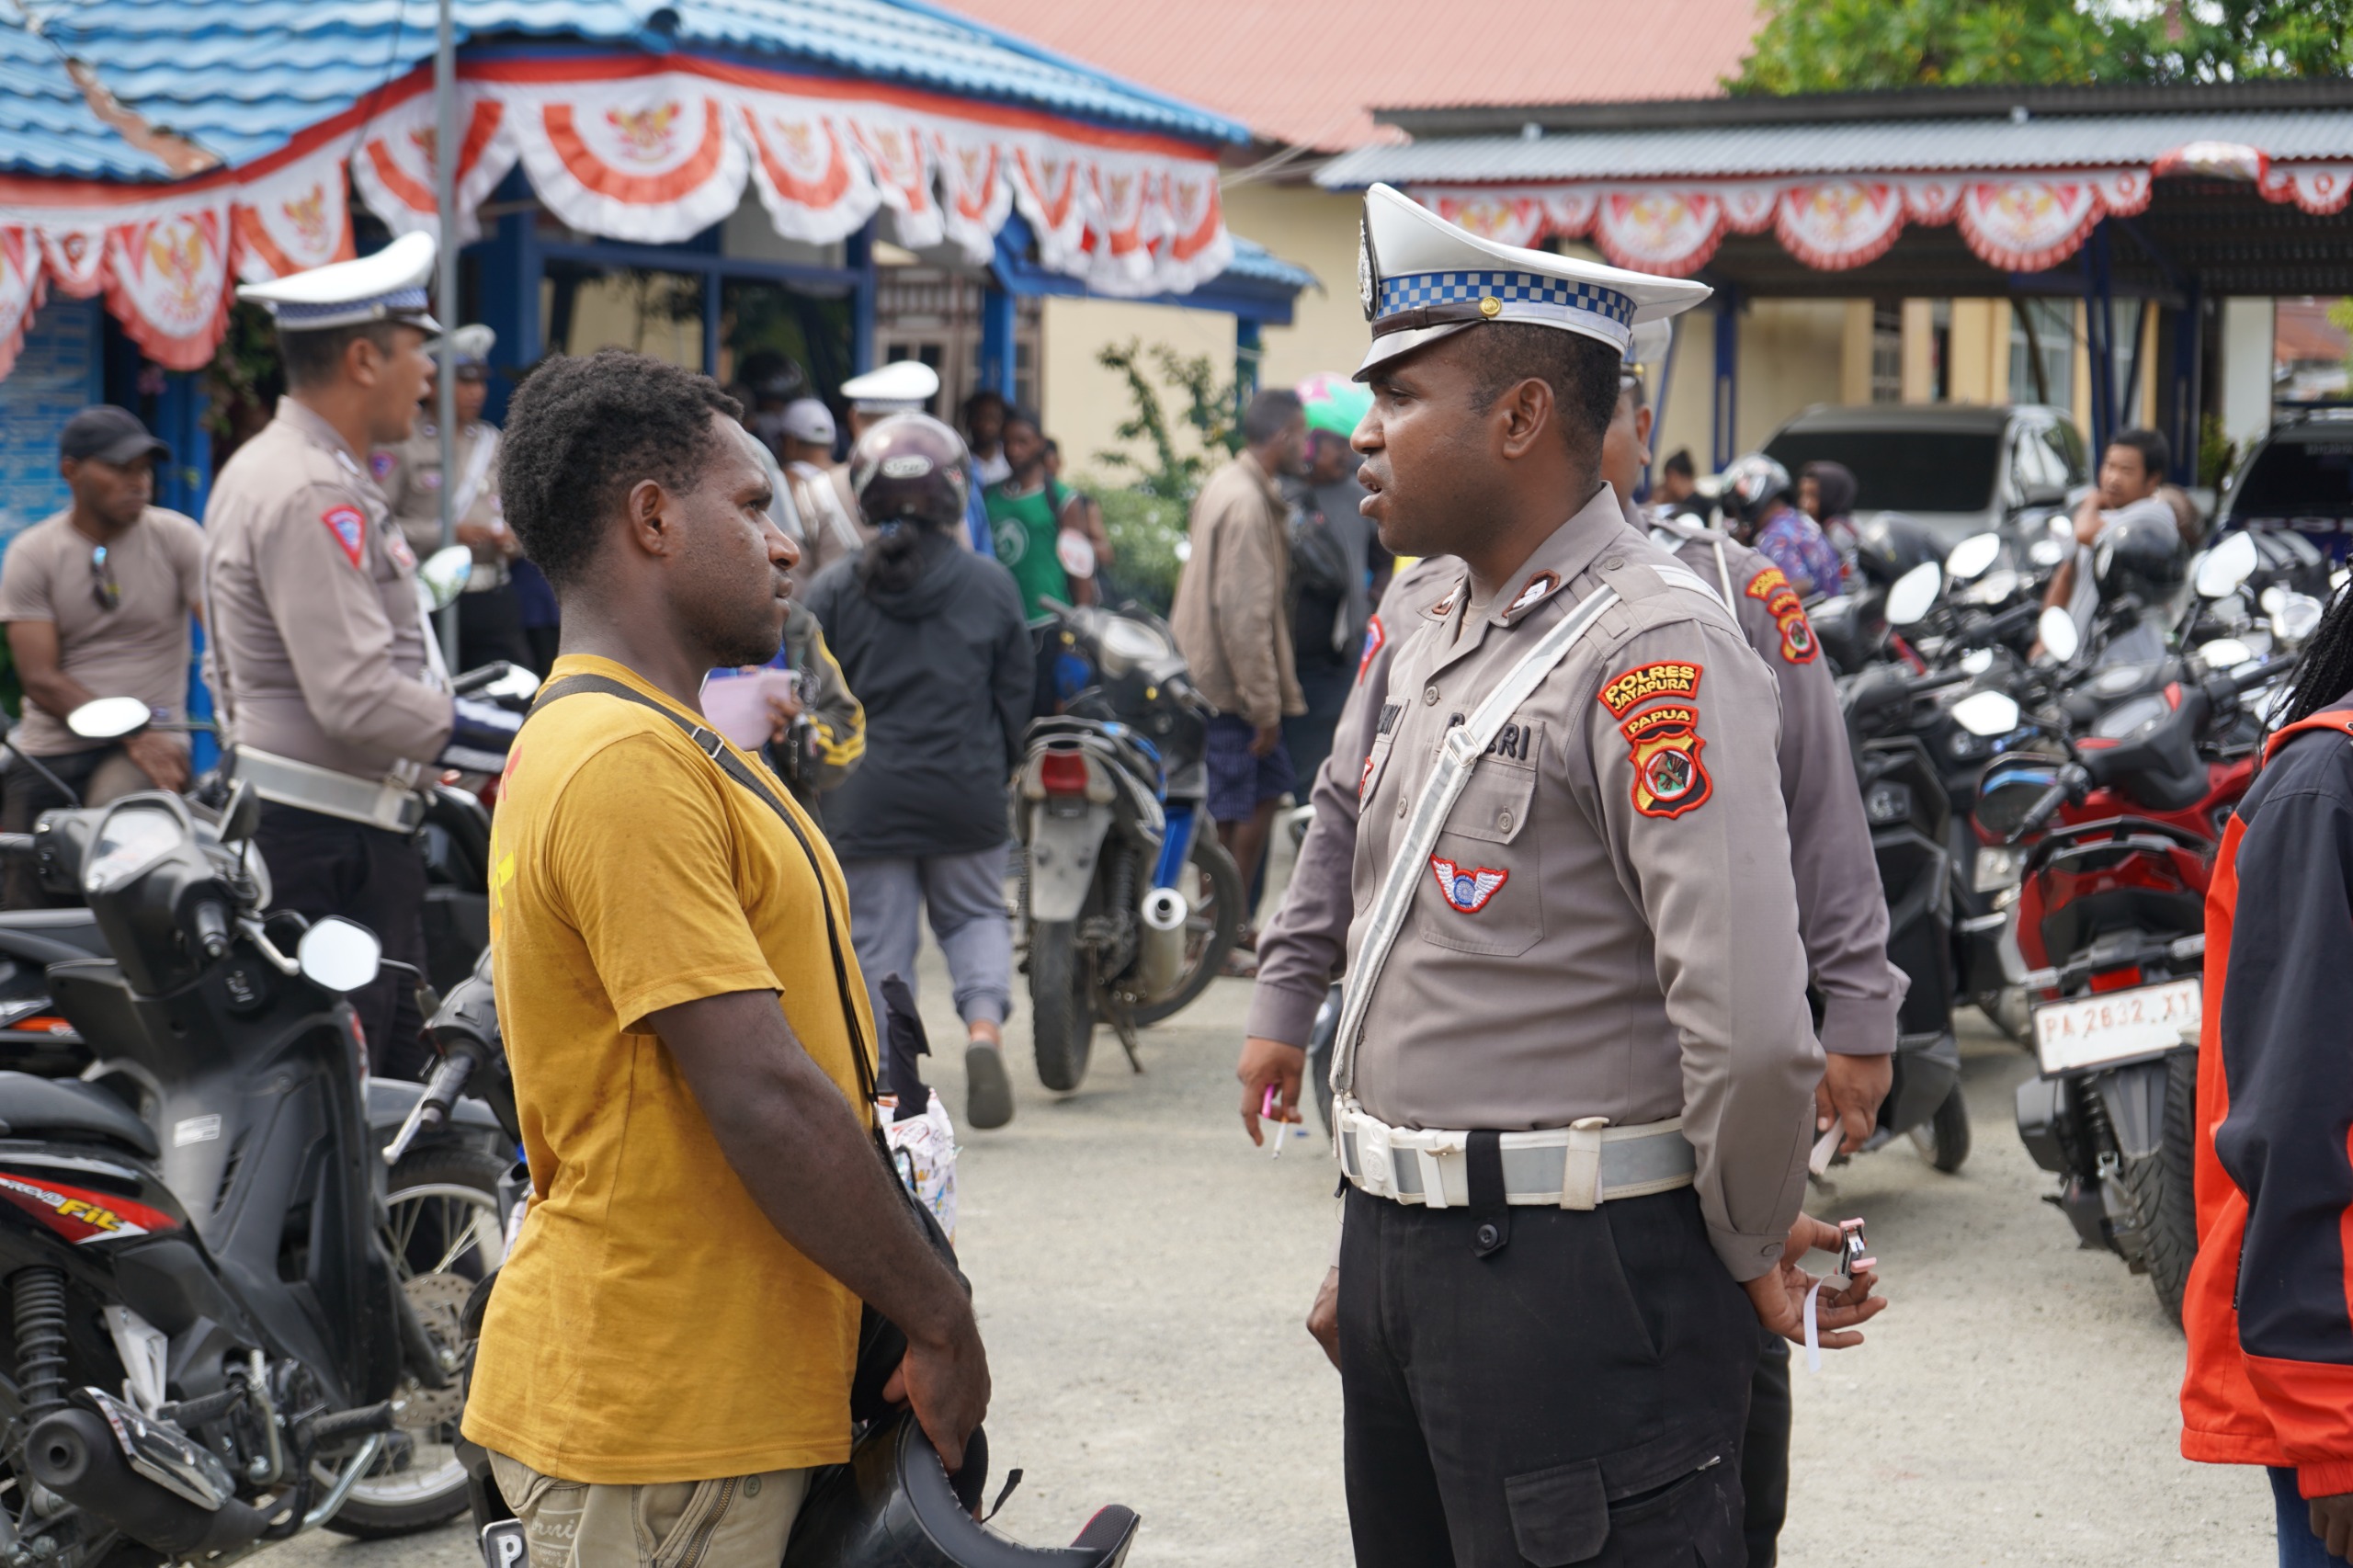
x: 1751, y: 483
x: 909, y: 468
x: 894, y: 1505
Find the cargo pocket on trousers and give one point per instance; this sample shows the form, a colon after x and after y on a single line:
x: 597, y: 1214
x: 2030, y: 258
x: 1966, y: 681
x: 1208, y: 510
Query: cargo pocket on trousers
x: 1567, y: 1515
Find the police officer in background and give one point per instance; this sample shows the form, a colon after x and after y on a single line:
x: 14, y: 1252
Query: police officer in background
x: 1589, y: 951
x: 489, y: 618
x: 1842, y: 918
x: 336, y: 705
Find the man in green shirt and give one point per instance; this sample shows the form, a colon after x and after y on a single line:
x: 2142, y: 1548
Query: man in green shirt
x: 1027, y: 526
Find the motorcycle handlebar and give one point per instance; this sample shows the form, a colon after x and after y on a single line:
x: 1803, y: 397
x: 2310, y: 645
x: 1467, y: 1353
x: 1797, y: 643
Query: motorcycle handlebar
x: 433, y: 1107
x: 2001, y: 628
x: 2070, y: 782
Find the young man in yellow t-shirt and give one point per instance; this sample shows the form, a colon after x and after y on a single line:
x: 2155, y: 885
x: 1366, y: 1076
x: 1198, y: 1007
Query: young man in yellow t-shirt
x: 669, y: 1349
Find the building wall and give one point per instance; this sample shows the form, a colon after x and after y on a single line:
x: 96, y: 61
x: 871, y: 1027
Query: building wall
x: 1793, y: 353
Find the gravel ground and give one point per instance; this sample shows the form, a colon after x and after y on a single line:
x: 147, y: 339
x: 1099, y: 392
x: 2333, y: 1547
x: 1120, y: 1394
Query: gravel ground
x: 1142, y: 1271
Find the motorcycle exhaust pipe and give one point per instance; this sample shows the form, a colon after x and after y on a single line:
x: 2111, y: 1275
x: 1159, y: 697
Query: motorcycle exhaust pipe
x: 1160, y: 944
x: 73, y: 1452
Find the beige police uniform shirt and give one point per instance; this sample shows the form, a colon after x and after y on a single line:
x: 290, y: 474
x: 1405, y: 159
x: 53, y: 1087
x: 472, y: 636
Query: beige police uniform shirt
x: 410, y: 474
x: 316, y: 639
x: 1608, y: 923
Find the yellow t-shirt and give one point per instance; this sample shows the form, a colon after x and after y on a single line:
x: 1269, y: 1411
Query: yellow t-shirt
x: 651, y: 1324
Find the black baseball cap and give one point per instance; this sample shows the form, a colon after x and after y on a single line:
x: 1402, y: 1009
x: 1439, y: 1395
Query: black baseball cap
x: 108, y: 434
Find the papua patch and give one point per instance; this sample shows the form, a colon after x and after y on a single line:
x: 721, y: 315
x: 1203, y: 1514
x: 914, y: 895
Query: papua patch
x: 1798, y: 645
x: 1532, y: 592
x: 349, y: 525
x: 1623, y: 693
x: 1668, y: 779
x: 1376, y: 637
x: 1467, y: 889
x: 1782, y: 602
x: 380, y: 465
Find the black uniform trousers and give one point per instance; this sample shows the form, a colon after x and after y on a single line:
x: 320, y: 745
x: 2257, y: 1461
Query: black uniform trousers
x: 1574, y: 1395
x: 1765, y: 1453
x: 319, y: 865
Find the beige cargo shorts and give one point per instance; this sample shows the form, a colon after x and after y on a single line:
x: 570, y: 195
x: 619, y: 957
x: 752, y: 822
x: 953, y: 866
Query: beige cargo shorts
x: 739, y: 1521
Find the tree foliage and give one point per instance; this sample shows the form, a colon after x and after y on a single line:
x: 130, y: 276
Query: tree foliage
x: 1843, y: 46
x: 1170, y: 474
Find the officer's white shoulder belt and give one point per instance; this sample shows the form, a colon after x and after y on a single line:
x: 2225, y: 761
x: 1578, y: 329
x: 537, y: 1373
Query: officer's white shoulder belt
x: 1579, y: 1166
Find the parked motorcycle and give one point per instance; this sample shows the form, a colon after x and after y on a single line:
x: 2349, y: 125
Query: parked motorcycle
x: 228, y: 1326
x: 1128, y: 903
x: 2111, y: 934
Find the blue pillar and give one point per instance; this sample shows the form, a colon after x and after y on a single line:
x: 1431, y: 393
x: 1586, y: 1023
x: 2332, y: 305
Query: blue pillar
x: 2099, y: 336
x: 1248, y: 349
x: 2188, y: 354
x: 1725, y: 404
x: 860, y: 247
x: 509, y: 291
x: 997, y: 341
x: 182, y: 485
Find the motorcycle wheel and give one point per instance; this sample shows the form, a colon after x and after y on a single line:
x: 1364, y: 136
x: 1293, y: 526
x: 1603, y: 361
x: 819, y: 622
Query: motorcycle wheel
x: 2160, y: 1187
x: 1216, y: 896
x: 1062, y: 1026
x: 1944, y: 1141
x: 445, y: 1234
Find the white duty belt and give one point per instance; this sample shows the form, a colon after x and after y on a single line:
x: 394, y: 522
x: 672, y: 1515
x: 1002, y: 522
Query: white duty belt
x: 390, y: 802
x: 1572, y: 1167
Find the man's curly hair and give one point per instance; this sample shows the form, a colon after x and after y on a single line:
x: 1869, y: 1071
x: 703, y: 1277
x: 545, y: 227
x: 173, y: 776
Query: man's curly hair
x: 581, y: 432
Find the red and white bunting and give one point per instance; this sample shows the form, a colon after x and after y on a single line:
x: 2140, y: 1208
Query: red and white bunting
x: 20, y: 291
x: 2017, y: 222
x: 650, y: 159
x: 2318, y: 188
x: 73, y: 256
x: 295, y: 218
x: 976, y: 190
x: 393, y: 168
x: 169, y: 282
x: 900, y: 154
x: 816, y: 188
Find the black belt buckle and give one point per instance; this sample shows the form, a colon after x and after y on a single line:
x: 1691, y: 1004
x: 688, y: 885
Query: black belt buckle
x: 1490, y: 1209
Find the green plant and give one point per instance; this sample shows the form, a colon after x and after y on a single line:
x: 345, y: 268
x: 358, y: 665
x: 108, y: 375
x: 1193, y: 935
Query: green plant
x: 2217, y: 453
x: 1147, y: 533
x: 1209, y: 412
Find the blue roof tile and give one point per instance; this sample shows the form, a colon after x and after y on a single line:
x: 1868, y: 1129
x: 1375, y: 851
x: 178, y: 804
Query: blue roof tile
x: 239, y: 78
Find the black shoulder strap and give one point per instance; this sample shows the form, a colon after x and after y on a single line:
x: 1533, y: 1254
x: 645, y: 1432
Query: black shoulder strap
x: 708, y: 742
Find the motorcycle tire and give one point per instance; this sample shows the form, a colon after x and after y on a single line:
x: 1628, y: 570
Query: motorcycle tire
x: 436, y: 1195
x: 1944, y: 1141
x: 1211, y: 928
x: 1062, y: 1022
x: 2160, y: 1187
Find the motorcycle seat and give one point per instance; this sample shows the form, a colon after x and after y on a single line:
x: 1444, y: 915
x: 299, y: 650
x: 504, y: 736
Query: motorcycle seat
x: 52, y: 936
x: 31, y: 1107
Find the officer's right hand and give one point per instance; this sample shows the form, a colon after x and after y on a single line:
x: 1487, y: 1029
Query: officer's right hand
x: 1270, y: 1064
x: 947, y: 1383
x: 1323, y: 1316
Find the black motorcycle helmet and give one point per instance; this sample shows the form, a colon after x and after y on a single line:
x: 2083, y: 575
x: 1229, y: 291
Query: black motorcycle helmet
x: 1892, y: 544
x: 894, y: 1505
x: 910, y: 468
x: 2141, y: 556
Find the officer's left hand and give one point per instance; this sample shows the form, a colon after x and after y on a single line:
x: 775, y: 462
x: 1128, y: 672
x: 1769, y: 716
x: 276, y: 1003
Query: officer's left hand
x: 1851, y: 1091
x: 1779, y: 1297
x: 1269, y: 1062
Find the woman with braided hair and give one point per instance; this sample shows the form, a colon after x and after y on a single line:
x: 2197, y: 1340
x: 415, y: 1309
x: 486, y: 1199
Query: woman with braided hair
x: 2270, y: 1374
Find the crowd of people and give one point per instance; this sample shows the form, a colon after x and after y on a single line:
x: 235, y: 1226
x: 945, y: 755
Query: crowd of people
x: 1593, y: 1073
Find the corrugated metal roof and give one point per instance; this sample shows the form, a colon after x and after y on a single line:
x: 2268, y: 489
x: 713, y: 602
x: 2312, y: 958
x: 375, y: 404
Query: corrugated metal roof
x: 1311, y: 71
x: 1256, y: 262
x: 1733, y: 152
x: 239, y: 77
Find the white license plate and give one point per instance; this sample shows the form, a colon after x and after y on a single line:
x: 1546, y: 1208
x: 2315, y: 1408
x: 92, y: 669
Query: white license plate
x: 2115, y: 1026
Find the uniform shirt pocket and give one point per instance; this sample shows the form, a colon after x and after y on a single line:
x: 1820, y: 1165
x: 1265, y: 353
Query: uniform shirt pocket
x: 1484, y: 891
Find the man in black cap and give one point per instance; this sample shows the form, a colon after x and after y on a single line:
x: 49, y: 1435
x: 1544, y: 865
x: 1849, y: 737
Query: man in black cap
x: 97, y: 599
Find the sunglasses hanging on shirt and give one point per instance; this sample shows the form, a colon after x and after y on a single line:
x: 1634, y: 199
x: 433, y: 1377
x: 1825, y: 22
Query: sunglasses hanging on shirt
x: 102, y: 578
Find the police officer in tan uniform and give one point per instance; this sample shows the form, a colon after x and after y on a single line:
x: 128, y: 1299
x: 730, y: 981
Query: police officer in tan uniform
x: 323, y: 667
x: 490, y: 619
x: 1574, y: 1069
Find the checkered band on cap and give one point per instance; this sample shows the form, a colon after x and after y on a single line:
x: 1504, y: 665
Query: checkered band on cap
x: 293, y: 317
x: 1406, y: 290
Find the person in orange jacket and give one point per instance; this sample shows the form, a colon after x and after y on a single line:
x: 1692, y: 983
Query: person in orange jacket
x: 2271, y: 1373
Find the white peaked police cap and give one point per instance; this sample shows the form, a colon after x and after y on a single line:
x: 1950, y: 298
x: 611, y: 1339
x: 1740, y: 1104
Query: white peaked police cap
x: 1422, y: 278
x: 1651, y: 339
x: 388, y: 286
x: 469, y: 345
x: 903, y: 386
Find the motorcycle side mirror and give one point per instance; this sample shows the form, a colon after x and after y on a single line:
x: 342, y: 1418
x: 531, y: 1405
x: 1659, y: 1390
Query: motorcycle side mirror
x: 242, y: 815
x: 2060, y: 637
x: 2225, y: 653
x: 1913, y: 594
x: 1984, y: 713
x: 1972, y: 556
x: 442, y: 577
x: 2226, y: 566
x: 2297, y: 617
x: 2046, y: 552
x: 339, y: 955
x: 109, y: 718
x: 515, y: 684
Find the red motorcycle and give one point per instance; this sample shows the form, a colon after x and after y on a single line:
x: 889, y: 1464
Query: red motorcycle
x: 2110, y: 927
